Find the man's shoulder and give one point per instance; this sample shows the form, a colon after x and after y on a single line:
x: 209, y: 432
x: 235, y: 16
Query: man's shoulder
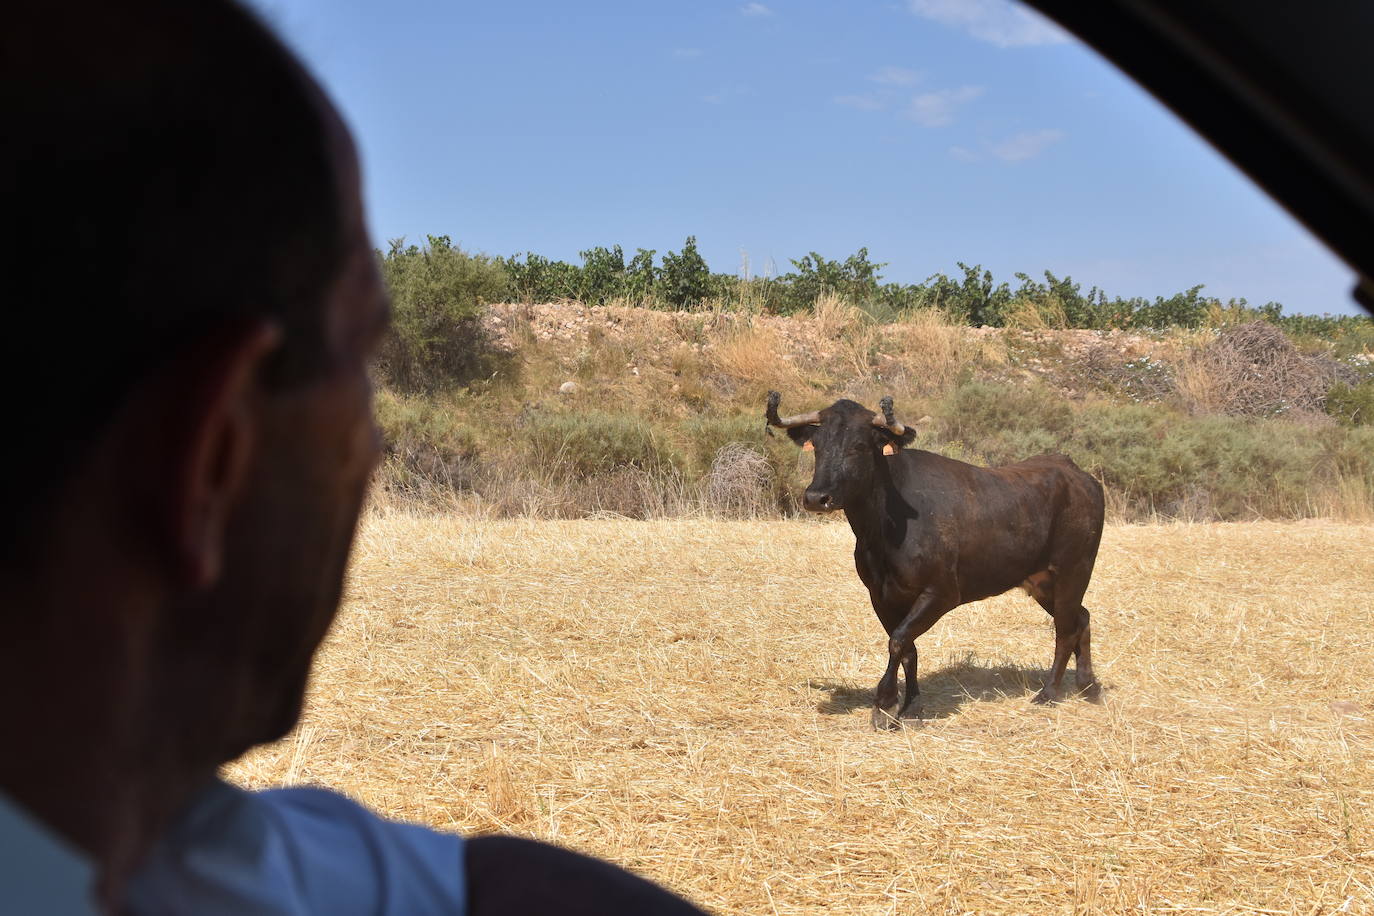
x: 40, y: 872
x: 297, y: 850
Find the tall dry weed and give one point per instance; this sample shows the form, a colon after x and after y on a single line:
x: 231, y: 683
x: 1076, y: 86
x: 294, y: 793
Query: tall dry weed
x: 1347, y: 497
x: 933, y: 349
x: 849, y: 336
x: 756, y: 352
x: 1036, y: 315
x: 505, y: 800
x: 833, y: 317
x: 1200, y: 383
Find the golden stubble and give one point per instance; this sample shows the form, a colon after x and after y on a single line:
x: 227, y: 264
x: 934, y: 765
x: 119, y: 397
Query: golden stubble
x: 689, y: 698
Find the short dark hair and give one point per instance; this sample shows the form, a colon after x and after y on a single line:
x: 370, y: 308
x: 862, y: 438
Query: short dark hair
x: 166, y: 167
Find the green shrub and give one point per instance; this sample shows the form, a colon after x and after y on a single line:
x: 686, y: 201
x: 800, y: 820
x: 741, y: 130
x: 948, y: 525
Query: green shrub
x: 1125, y: 447
x: 1158, y: 461
x: 1210, y: 467
x: 1349, y: 454
x: 976, y: 299
x: 1342, y: 335
x: 436, y: 340
x: 538, y: 279
x: 426, y: 444
x: 412, y: 419
x: 1352, y: 405
x: 704, y: 434
x: 684, y: 280
x: 855, y: 279
x: 596, y: 442
x: 1003, y: 422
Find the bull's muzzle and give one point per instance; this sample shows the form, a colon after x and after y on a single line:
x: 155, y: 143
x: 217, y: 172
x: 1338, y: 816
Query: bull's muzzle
x: 818, y: 501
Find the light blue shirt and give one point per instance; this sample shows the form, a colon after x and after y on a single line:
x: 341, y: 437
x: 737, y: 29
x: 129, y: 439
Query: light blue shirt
x: 39, y: 872
x: 285, y: 852
x: 297, y: 851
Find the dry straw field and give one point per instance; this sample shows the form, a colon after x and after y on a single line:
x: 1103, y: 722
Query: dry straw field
x: 689, y: 698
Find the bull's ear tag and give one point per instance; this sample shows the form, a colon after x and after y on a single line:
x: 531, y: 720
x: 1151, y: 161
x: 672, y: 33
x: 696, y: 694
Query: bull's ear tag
x: 889, y: 450
x: 808, y: 447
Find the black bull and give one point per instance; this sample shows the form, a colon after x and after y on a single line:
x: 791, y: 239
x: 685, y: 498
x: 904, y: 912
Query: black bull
x: 932, y: 533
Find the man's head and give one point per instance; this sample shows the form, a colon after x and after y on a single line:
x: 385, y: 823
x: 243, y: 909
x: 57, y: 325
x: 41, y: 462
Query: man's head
x: 192, y: 303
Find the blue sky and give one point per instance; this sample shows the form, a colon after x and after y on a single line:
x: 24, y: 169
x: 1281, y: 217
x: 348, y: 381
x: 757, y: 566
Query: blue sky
x: 929, y: 131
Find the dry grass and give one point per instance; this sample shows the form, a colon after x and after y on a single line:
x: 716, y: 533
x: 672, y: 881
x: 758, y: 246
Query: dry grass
x: 849, y: 337
x: 1037, y: 315
x: 689, y: 698
x: 753, y: 352
x: 932, y: 350
x: 835, y: 317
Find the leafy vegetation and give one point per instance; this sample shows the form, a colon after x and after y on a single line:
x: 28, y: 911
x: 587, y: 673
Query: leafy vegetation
x: 643, y: 418
x: 1156, y: 460
x: 437, y: 294
x: 1352, y: 405
x: 1232, y: 419
x: 440, y: 276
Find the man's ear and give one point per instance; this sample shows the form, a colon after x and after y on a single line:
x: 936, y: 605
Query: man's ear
x: 802, y: 436
x: 213, y: 439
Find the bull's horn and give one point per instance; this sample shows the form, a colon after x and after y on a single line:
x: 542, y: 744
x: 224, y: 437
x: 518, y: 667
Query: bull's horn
x: 770, y: 414
x: 886, y: 418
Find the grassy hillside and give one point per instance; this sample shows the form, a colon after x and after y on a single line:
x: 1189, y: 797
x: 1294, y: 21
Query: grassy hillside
x: 579, y: 411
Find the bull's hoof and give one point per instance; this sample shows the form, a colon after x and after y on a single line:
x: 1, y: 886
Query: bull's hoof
x: 914, y: 714
x: 885, y: 718
x: 1091, y: 691
x: 1045, y: 697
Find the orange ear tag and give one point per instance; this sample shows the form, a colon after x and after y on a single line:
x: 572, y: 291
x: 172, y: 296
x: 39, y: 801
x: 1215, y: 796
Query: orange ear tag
x: 889, y: 450
x: 808, y: 447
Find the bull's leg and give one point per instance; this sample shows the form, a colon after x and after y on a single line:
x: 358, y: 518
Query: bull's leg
x: 901, y: 646
x: 1072, y: 636
x: 1061, y: 595
x: 911, y: 702
x: 1083, y: 673
x: 1084, y: 678
x: 885, y: 698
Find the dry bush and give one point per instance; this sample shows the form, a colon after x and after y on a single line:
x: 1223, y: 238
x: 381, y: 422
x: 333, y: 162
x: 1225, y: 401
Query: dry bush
x: 739, y: 483
x: 1254, y: 370
x: 1102, y: 366
x: 635, y: 493
x: 701, y: 326
x: 860, y: 353
x: 1349, y: 497
x: 1200, y: 388
x: 690, y: 699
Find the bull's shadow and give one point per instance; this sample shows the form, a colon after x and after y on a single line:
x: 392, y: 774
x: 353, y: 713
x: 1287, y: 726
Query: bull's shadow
x: 943, y: 690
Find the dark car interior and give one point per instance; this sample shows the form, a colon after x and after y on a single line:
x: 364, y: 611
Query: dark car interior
x: 1282, y: 89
